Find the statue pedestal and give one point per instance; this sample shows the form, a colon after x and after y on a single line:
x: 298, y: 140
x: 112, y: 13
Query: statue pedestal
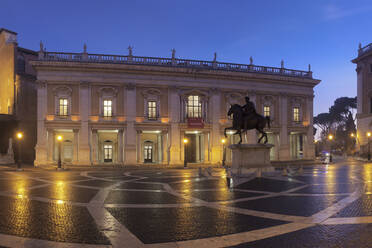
x: 248, y: 159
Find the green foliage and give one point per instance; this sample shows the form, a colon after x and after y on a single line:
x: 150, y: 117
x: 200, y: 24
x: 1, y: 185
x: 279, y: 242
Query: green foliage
x: 340, y: 122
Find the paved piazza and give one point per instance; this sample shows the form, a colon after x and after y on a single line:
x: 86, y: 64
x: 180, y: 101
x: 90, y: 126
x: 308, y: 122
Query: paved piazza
x: 322, y: 206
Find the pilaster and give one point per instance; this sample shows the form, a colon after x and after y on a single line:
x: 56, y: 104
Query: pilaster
x: 130, y: 132
x: 41, y: 145
x: 84, y: 109
x: 284, y: 149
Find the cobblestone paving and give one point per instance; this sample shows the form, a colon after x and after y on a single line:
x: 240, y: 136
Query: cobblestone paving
x: 323, y: 206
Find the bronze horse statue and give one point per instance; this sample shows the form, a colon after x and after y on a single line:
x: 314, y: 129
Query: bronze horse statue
x: 242, y: 123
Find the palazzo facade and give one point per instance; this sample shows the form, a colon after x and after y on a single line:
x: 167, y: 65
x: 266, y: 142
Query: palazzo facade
x: 130, y: 110
x: 364, y: 96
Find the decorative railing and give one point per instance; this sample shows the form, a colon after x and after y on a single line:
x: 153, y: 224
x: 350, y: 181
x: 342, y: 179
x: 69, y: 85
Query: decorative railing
x: 364, y: 50
x: 171, y: 62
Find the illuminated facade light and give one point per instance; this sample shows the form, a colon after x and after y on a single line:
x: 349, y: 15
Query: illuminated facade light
x: 19, y: 135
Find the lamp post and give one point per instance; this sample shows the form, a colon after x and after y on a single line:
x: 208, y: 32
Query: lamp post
x: 369, y: 145
x: 185, y: 141
x: 19, y: 142
x: 59, y: 140
x: 223, y: 141
x: 330, y: 138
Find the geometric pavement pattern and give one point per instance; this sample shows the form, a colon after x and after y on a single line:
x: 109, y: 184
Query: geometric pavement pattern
x: 321, y: 206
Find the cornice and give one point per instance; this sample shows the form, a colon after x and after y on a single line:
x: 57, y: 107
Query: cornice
x: 190, y: 72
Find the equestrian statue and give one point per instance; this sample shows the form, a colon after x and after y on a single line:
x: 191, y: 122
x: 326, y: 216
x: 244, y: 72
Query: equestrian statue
x: 246, y: 118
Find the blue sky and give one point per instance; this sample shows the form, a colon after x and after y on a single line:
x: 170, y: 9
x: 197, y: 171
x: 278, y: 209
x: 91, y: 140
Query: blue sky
x: 323, y: 33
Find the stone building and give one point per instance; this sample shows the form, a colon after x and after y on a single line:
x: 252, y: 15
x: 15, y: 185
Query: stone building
x: 364, y: 95
x: 17, y: 95
x: 126, y: 110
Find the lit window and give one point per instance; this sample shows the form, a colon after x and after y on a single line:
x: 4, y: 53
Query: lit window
x: 107, y: 108
x: 63, y: 107
x: 296, y: 114
x: 151, y: 108
x: 267, y: 111
x: 194, y: 107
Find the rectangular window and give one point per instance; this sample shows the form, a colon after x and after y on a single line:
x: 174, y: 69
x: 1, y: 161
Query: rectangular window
x: 63, y: 107
x: 267, y: 111
x: 194, y: 109
x: 107, y: 149
x: 107, y: 108
x: 296, y: 114
x: 151, y: 110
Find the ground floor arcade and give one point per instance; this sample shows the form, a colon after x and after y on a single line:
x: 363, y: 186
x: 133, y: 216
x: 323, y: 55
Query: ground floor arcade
x: 159, y: 145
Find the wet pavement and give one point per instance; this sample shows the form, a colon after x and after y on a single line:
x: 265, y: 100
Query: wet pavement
x: 323, y: 206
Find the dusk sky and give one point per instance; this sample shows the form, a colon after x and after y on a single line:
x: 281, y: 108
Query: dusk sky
x: 322, y: 33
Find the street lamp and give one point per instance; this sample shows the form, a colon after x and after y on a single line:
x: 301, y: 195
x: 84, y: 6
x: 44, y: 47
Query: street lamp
x: 330, y: 138
x: 19, y: 142
x: 369, y: 145
x: 223, y: 141
x: 59, y: 139
x: 185, y: 141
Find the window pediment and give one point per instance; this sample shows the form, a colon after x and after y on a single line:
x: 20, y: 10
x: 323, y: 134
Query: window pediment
x: 62, y: 91
x: 108, y: 92
x: 234, y: 98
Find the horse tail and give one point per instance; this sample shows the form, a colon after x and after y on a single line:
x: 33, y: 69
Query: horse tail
x: 268, y: 121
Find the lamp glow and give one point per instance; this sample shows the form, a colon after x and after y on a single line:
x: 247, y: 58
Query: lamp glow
x: 369, y: 134
x: 223, y: 141
x: 59, y: 138
x: 19, y: 135
x: 330, y: 137
x: 185, y: 141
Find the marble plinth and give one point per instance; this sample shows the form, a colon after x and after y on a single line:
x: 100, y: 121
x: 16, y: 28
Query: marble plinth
x: 248, y: 159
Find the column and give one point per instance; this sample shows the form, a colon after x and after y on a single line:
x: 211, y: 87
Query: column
x: 139, y: 150
x: 130, y: 132
x: 41, y: 145
x: 165, y: 147
x: 174, y: 108
x: 84, y: 110
x: 252, y: 134
x: 120, y: 146
x: 284, y: 149
x: 75, y: 159
x: 310, y: 147
x: 94, y: 146
x: 160, y: 148
x: 51, y: 139
x: 215, y: 102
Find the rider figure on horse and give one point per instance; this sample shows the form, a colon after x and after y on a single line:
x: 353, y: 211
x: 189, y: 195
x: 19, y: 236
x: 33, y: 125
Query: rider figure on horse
x: 248, y: 108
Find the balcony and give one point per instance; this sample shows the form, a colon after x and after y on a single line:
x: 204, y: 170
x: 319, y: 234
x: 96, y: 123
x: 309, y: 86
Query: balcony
x: 171, y: 62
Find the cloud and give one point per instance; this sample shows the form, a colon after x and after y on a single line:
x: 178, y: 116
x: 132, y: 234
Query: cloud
x: 334, y: 12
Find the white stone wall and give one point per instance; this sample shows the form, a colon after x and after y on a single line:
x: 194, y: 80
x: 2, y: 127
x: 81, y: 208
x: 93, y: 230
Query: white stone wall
x: 215, y: 86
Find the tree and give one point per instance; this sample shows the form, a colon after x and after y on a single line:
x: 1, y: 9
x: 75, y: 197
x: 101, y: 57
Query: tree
x: 340, y: 121
x: 324, y: 121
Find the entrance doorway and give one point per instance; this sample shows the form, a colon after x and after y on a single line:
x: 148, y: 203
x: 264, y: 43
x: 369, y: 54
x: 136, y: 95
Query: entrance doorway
x: 296, y: 141
x: 67, y: 151
x: 194, y: 149
x: 148, y: 151
x: 107, y: 153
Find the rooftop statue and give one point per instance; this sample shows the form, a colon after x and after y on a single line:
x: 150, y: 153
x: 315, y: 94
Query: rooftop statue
x: 246, y: 118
